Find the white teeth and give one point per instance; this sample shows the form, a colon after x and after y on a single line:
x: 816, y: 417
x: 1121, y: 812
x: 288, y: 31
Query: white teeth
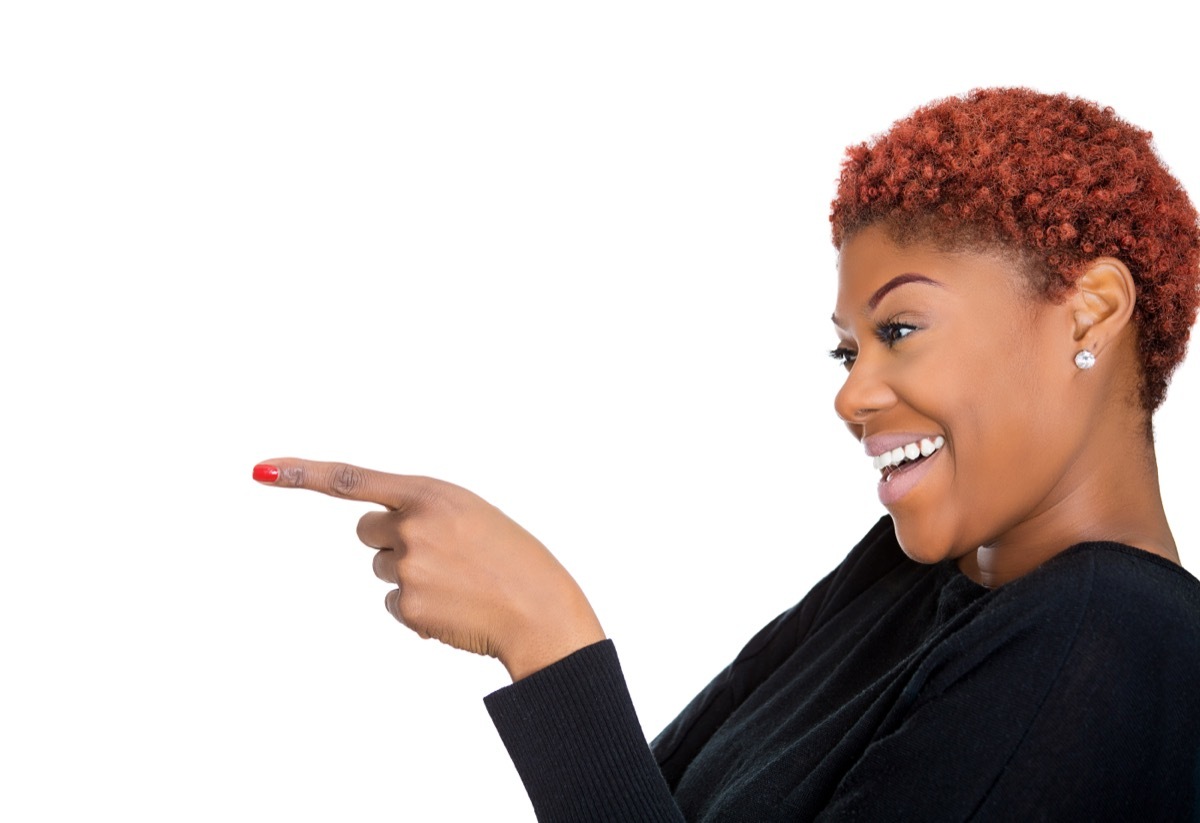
x: 922, y: 448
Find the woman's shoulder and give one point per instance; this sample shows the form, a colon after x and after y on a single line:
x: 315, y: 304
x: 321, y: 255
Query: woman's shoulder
x: 1121, y: 565
x: 1129, y: 587
x: 1101, y: 612
x: 1098, y: 651
x: 1099, y: 615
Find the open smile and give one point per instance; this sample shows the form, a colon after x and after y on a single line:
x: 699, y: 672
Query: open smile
x: 903, y: 466
x: 902, y: 456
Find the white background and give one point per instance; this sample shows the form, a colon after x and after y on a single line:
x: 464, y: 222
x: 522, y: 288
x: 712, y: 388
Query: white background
x: 573, y: 257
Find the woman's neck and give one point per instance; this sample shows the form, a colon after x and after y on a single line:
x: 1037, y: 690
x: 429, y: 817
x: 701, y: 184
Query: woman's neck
x: 1111, y: 493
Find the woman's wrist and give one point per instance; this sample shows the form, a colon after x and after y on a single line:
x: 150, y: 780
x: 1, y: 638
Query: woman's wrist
x: 553, y: 640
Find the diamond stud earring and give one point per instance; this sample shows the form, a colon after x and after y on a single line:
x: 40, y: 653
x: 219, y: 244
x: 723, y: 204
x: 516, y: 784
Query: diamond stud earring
x: 1085, y: 359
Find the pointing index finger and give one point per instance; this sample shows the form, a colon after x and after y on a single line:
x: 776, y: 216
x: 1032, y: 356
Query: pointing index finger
x: 396, y: 491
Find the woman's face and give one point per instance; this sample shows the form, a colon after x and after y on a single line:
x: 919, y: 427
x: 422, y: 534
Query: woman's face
x: 951, y: 356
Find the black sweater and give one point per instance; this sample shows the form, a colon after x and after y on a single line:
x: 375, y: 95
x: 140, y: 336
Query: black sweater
x: 898, y: 691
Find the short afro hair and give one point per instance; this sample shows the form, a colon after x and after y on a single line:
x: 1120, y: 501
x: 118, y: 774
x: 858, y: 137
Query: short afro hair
x: 1059, y: 180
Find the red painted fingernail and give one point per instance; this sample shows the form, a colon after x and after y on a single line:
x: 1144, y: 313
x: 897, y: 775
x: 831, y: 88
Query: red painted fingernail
x: 265, y: 474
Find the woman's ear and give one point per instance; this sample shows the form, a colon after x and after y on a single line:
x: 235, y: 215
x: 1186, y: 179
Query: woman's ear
x: 1102, y: 303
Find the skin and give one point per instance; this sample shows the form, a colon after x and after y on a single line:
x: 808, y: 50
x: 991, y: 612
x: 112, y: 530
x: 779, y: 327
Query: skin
x: 470, y: 576
x: 1039, y: 455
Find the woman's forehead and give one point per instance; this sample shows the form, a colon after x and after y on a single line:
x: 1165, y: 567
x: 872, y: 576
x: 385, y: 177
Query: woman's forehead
x: 871, y: 266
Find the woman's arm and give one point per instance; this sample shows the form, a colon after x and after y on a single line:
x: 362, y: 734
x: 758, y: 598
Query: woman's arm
x: 469, y: 576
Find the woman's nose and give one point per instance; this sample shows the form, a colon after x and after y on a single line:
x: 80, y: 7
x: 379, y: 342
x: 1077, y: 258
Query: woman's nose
x: 864, y: 393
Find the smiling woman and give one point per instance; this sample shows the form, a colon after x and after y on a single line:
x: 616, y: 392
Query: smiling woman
x: 964, y: 354
x: 1018, y: 275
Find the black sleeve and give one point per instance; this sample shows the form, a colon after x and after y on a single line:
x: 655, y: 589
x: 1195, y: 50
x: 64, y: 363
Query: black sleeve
x: 575, y: 739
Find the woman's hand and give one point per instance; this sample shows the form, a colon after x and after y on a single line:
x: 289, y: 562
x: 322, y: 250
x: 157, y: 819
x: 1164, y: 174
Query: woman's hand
x: 466, y: 574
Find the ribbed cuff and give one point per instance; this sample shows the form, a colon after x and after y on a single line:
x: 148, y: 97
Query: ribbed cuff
x: 575, y: 739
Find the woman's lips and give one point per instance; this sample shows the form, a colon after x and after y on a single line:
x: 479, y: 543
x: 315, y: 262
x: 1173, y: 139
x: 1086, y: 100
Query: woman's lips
x: 901, y: 480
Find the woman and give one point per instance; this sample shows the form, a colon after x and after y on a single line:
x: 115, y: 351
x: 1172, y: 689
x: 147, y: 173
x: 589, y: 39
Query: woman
x: 1018, y: 276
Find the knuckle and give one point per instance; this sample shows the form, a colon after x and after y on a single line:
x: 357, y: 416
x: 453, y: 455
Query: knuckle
x: 429, y: 492
x: 345, y: 480
x: 381, y: 530
x: 391, y: 602
x: 291, y: 476
x: 363, y: 529
x: 408, y: 611
x: 384, y: 566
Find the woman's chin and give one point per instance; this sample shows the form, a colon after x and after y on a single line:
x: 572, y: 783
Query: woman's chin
x: 923, y: 545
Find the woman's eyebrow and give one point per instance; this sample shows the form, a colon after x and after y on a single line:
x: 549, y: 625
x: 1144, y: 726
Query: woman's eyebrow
x: 896, y: 282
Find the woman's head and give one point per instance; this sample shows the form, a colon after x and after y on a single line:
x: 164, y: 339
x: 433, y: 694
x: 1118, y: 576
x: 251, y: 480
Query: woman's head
x: 985, y: 242
x: 1051, y: 181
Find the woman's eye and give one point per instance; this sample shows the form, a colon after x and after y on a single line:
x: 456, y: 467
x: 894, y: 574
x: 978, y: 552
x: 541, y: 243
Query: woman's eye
x: 891, y: 333
x: 844, y: 356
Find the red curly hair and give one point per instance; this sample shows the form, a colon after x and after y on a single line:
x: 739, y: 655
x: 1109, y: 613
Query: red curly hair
x: 1059, y: 180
